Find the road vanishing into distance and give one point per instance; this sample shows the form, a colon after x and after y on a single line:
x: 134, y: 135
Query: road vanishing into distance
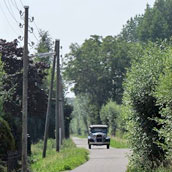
x: 102, y: 159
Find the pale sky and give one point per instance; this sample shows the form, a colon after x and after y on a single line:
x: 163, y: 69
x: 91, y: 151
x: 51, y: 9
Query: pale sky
x: 69, y: 20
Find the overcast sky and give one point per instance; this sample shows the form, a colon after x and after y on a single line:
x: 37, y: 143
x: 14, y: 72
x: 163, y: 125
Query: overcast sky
x: 69, y: 20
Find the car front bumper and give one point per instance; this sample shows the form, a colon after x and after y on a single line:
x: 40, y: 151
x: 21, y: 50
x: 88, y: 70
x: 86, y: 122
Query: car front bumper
x: 94, y: 141
x: 98, y: 143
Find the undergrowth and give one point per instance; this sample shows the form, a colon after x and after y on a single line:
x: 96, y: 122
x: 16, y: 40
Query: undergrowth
x: 68, y: 158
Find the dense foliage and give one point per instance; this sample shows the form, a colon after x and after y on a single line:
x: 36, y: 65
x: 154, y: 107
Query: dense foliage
x: 97, y: 68
x: 163, y: 94
x: 154, y: 24
x: 11, y: 91
x: 7, y: 142
x: 142, y: 109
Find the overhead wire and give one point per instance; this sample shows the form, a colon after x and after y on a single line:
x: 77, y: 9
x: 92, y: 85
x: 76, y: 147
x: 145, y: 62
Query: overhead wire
x: 15, y: 5
x: 12, y: 15
x: 35, y: 36
x: 36, y: 26
x: 10, y: 7
x: 8, y: 20
x: 21, y: 3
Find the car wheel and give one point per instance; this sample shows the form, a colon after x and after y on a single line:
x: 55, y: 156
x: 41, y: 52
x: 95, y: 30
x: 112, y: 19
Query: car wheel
x: 89, y: 146
x: 107, y: 146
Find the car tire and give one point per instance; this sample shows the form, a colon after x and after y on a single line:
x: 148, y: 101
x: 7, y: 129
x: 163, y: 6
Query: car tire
x: 89, y: 146
x: 107, y: 146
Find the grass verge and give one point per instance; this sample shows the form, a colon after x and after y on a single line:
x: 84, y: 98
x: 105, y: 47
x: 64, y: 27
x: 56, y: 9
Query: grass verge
x: 117, y: 142
x: 67, y: 159
x: 157, y: 170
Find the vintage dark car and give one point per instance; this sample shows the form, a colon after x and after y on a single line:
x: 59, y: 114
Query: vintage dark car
x: 98, y: 136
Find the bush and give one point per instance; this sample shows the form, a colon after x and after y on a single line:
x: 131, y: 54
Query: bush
x: 7, y: 142
x: 164, y: 100
x: 142, y: 109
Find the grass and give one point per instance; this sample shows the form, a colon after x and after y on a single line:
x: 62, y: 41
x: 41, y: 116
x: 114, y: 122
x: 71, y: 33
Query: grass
x: 157, y: 170
x: 67, y: 159
x: 117, y: 142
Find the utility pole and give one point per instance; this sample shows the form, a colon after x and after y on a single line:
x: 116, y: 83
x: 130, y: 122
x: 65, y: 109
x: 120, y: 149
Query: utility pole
x: 25, y: 93
x: 49, y: 107
x: 57, y: 110
x: 61, y: 109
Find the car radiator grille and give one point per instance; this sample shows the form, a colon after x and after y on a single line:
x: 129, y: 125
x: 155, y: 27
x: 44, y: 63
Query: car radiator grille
x: 99, y: 138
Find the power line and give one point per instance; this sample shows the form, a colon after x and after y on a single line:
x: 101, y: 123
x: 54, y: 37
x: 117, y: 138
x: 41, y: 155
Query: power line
x: 35, y: 36
x: 10, y: 12
x: 8, y: 20
x: 36, y: 26
x: 15, y: 5
x: 21, y: 3
x: 10, y: 7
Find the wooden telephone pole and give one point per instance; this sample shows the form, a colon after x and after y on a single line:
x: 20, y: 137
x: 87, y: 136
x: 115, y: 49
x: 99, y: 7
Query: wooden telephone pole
x: 57, y: 110
x: 25, y: 93
x: 49, y: 107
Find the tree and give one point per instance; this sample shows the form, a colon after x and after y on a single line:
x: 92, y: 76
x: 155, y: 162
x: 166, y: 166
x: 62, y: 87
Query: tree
x: 110, y: 114
x: 11, y: 90
x: 67, y: 117
x: 97, y: 68
x: 153, y: 25
x: 45, y: 45
x: 129, y: 31
x: 84, y: 114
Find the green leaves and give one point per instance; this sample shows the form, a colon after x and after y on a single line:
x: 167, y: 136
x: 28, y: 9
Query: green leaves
x: 110, y: 115
x: 154, y: 24
x: 142, y: 108
x: 98, y: 68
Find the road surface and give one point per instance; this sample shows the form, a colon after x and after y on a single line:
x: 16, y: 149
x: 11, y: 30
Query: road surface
x: 102, y: 159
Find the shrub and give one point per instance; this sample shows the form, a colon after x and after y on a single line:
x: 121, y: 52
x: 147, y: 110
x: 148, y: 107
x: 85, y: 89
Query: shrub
x: 7, y: 142
x: 142, y: 108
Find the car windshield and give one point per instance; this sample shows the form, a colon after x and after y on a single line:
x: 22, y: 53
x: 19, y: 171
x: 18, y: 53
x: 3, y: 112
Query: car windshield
x: 96, y: 130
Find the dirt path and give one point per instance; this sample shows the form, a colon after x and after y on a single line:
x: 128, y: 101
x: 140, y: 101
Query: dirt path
x: 102, y: 159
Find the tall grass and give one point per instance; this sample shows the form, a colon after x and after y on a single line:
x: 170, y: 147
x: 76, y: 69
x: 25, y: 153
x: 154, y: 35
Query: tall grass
x: 117, y: 142
x: 67, y: 159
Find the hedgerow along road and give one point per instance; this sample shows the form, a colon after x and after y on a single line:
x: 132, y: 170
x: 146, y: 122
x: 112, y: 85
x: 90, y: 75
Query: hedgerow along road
x: 103, y: 159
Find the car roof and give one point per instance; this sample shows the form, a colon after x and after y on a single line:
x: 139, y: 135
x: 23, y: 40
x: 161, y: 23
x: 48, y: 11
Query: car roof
x: 98, y: 126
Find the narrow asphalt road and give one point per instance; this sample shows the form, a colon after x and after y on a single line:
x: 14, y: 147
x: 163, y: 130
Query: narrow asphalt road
x: 102, y: 159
